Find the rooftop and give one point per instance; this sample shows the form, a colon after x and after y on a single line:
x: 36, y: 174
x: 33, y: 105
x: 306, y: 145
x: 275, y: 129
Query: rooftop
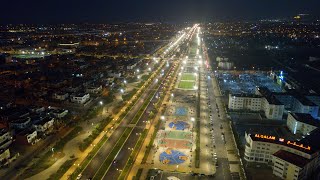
x: 292, y: 158
x: 304, y: 101
x: 306, y: 118
x: 303, y: 147
x: 269, y: 96
x: 246, y: 95
x: 312, y: 139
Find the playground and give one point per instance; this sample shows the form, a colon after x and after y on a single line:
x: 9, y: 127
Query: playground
x: 172, y: 157
x: 179, y: 125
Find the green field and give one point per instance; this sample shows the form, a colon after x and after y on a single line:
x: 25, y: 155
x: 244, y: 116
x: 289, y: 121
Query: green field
x: 188, y: 77
x: 176, y: 135
x: 193, y: 50
x: 186, y: 84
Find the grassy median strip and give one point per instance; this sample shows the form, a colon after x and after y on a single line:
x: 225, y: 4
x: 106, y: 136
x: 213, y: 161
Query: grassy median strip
x: 143, y: 107
x: 133, y: 155
x: 138, y: 175
x: 88, y: 159
x: 106, y: 164
x: 94, y: 134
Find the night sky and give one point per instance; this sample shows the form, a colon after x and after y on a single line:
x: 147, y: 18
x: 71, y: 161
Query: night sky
x: 108, y: 11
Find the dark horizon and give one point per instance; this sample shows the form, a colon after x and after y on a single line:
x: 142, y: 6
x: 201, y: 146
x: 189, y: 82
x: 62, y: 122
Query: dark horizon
x: 57, y: 12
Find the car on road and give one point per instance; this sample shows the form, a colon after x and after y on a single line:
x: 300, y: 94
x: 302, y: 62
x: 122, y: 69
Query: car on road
x: 79, y: 176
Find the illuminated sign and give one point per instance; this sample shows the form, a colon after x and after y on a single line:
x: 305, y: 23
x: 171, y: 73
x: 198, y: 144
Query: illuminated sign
x: 299, y: 145
x: 265, y: 136
x: 281, y: 76
x: 282, y: 140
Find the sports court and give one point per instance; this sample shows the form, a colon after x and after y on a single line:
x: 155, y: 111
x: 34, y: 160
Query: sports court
x: 172, y: 157
x: 175, y: 135
x: 188, y: 77
x: 186, y: 85
x: 179, y: 125
x: 176, y: 144
x: 181, y: 111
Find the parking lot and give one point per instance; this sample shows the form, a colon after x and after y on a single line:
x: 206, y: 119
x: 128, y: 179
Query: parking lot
x: 245, y: 82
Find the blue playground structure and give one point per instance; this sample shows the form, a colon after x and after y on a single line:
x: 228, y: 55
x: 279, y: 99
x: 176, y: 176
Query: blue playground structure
x: 179, y: 125
x: 172, y: 157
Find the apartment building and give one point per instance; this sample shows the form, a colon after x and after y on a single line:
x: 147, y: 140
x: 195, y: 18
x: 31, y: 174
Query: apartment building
x: 302, y: 123
x: 249, y: 102
x: 289, y: 159
x: 80, y: 98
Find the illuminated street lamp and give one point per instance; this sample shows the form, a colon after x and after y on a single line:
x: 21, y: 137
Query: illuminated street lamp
x: 162, y: 118
x: 192, y: 119
x: 101, y: 103
x: 121, y: 90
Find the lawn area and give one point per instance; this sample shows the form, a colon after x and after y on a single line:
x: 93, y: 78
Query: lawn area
x: 186, y: 84
x: 188, y: 77
x: 193, y: 50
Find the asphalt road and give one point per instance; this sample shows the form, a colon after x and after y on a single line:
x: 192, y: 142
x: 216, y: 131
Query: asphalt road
x: 106, y: 148
x: 115, y: 170
x: 223, y: 169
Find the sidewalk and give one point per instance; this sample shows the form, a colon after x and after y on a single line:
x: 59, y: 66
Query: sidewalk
x: 71, y: 148
x: 113, y: 124
x: 137, y: 164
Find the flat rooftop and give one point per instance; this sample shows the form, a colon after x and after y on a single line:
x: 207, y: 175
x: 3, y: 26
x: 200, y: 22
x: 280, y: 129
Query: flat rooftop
x: 285, y: 142
x: 292, y: 158
x: 306, y: 118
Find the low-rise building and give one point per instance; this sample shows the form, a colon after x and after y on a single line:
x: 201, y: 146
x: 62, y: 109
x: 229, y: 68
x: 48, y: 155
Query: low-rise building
x: 289, y: 159
x: 5, y: 139
x: 21, y: 123
x: 249, y: 102
x: 26, y: 136
x: 301, y: 123
x: 4, y: 157
x: 80, y: 98
x: 61, y: 96
x: 303, y: 105
x: 44, y: 126
x: 94, y: 89
x: 272, y: 108
x: 59, y: 113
